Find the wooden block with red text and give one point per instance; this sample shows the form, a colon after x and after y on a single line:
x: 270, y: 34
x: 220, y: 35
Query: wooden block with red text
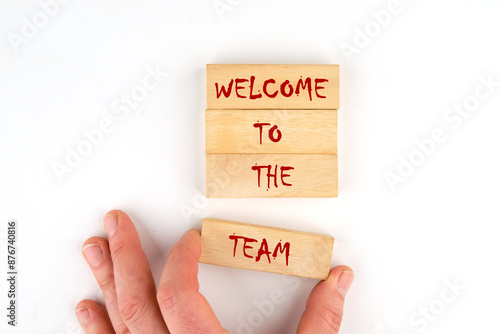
x: 271, y: 175
x: 266, y: 249
x: 272, y: 86
x: 271, y: 131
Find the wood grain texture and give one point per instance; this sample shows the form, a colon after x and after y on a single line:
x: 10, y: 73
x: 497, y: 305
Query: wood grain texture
x: 324, y: 82
x: 281, y: 251
x: 248, y: 131
x: 231, y: 175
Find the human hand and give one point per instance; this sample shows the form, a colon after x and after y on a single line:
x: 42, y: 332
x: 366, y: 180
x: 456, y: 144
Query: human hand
x: 132, y: 304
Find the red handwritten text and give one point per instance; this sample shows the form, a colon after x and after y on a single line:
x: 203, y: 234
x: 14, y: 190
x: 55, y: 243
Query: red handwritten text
x: 245, y: 88
x: 263, y: 249
x: 274, y: 175
x: 273, y: 137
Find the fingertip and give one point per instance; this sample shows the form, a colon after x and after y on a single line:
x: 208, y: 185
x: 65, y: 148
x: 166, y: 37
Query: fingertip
x: 337, y: 271
x: 191, y: 233
x: 93, y: 317
x: 190, y: 239
x: 94, y: 250
x: 188, y: 246
x: 81, y: 304
x: 94, y: 240
x: 85, y: 311
x: 115, y: 212
x: 343, y: 276
x: 110, y: 221
x: 324, y: 307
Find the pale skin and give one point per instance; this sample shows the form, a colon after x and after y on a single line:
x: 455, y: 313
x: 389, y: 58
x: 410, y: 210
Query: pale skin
x: 134, y: 305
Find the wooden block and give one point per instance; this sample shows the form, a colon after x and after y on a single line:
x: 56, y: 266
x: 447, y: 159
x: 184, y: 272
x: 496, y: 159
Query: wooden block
x: 253, y: 131
x: 265, y: 248
x: 272, y: 86
x: 246, y: 175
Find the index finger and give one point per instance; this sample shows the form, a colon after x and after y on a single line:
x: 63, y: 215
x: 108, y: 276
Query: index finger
x: 135, y: 287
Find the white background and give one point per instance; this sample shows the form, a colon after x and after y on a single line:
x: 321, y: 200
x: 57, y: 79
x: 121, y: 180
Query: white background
x: 439, y: 225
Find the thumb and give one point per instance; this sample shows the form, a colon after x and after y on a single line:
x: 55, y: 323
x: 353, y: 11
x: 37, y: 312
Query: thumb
x: 325, y: 305
x: 183, y: 307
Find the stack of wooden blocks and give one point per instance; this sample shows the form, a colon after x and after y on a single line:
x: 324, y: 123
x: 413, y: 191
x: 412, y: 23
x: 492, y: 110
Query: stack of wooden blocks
x: 271, y: 130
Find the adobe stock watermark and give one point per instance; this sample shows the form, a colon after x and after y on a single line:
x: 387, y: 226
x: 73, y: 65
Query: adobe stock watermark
x: 222, y: 7
x: 71, y: 328
x: 193, y: 211
x: 266, y: 307
x: 363, y: 36
x: 31, y: 26
x: 453, y: 117
x: 421, y: 319
x: 120, y: 109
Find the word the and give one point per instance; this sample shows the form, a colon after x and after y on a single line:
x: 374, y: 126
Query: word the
x: 274, y: 176
x: 274, y: 138
x: 286, y: 89
x: 263, y: 249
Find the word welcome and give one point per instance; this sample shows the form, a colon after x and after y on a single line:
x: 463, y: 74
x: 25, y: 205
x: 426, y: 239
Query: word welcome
x: 286, y: 89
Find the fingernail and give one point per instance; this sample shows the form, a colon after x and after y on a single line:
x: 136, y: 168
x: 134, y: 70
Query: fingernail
x: 83, y: 315
x: 344, y: 282
x: 110, y: 223
x: 93, y: 252
x: 188, y: 232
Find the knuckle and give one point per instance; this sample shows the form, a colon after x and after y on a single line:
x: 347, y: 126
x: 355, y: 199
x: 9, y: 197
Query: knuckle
x: 122, y: 329
x: 107, y: 282
x: 176, y: 251
x: 120, y: 250
x: 332, y: 318
x: 133, y: 310
x: 167, y: 299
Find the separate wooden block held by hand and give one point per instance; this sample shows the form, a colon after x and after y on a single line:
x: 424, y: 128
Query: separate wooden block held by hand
x: 272, y: 86
x: 265, y: 248
x: 271, y: 131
